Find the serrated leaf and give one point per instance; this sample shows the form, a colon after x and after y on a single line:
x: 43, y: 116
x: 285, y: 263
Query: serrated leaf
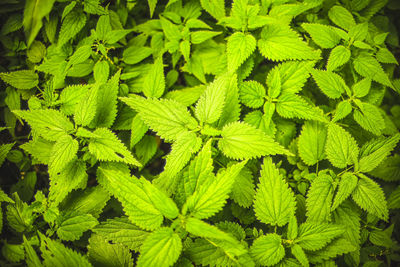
x: 361, y: 88
x: 343, y: 109
x: 121, y: 231
x: 239, y: 47
x: 314, y: 236
x: 211, y: 196
x: 341, y: 17
x: 63, y: 151
x: 311, y: 143
x: 335, y: 248
x: 368, y: 67
x: 299, y: 254
x: 375, y: 151
x: 102, y: 253
x: 268, y: 249
x: 231, y: 111
x: 216, y: 8
x: 323, y: 35
x: 389, y: 169
x: 135, y: 54
x: 341, y: 149
x: 71, y: 96
x: 339, y: 56
x: 242, y: 141
x: 144, y: 204
x: 154, y: 82
x: 48, y: 123
x: 359, y: 32
x: 252, y: 94
x: 32, y: 259
x: 71, y: 26
x: 370, y: 197
x: 274, y: 83
x: 294, y: 74
x: 394, y: 199
x: 138, y: 130
x: 212, y: 101
x: 330, y: 83
x: 293, y: 106
x: 161, y: 248
x: 369, y: 117
x: 279, y: 42
x: 347, y: 184
x: 167, y: 117
x: 21, y: 79
x: 243, y: 189
x: 72, y: 226
x: 385, y: 56
x: 319, y: 199
x: 4, y: 150
x: 199, y: 37
x: 85, y: 110
x: 274, y: 201
x: 107, y: 147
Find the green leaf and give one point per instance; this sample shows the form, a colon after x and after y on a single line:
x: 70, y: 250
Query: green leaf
x: 369, y: 117
x: 144, y: 203
x: 299, y: 254
x: 107, y: 147
x: 211, y: 196
x: 101, y: 71
x: 4, y: 149
x: 274, y: 202
x: 375, y: 151
x: 268, y: 249
x: 319, y: 199
x: 135, y: 54
x: 121, y: 231
x: 32, y: 259
x: 199, y: 37
x: 339, y: 56
x: 361, y: 88
x: 343, y: 109
x: 394, y: 199
x: 242, y: 141
x: 152, y: 6
x: 71, y: 96
x: 240, y: 46
x: 359, y: 32
x: 323, y: 35
x: 311, y: 143
x: 186, y: 96
x: 389, y: 169
x: 274, y: 83
x: 13, y: 253
x: 341, y: 149
x: 56, y: 254
x: 314, y: 236
x: 243, y: 189
x: 385, y: 56
x: 370, y: 197
x: 64, y: 150
x: 102, y: 253
x: 80, y: 55
x: 347, y: 184
x: 335, y: 248
x: 279, y: 42
x: 382, y: 238
x: 72, y: 226
x: 199, y: 228
x: 216, y: 8
x: 330, y: 83
x: 71, y: 26
x: 341, y: 17
x: 85, y: 110
x: 231, y: 111
x: 368, y: 67
x: 21, y: 79
x: 48, y: 123
x: 293, y: 106
x: 161, y: 248
x: 166, y: 117
x: 34, y: 12
x: 252, y: 94
x: 294, y: 74
x: 154, y: 82
x: 93, y: 7
x: 211, y: 103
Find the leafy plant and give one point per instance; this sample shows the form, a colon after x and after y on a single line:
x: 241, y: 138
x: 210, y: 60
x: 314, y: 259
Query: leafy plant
x: 191, y: 133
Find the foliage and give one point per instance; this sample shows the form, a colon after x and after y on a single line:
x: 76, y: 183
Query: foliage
x: 199, y: 133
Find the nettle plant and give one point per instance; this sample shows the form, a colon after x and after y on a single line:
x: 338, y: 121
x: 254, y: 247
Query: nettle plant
x: 199, y: 133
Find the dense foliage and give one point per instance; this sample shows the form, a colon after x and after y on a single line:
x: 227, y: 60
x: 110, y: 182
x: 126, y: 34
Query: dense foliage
x: 199, y: 132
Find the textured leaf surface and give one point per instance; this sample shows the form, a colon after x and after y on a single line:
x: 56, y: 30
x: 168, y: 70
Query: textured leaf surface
x: 74, y: 225
x: 274, y: 202
x: 293, y: 106
x: 337, y: 247
x: 339, y: 56
x: 252, y: 94
x: 154, y: 82
x: 312, y: 141
x: 323, y: 35
x: 161, y: 248
x: 21, y: 79
x: 368, y: 67
x: 330, y: 83
x: 347, y: 184
x: 240, y: 46
x: 370, y: 118
x: 63, y: 151
x: 242, y: 141
x: 268, y: 250
x: 319, y: 199
x: 314, y: 236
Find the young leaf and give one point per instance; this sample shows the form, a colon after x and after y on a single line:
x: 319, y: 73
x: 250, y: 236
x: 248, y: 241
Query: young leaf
x: 319, y: 199
x: 63, y: 151
x: 268, y: 249
x: 369, y: 117
x: 343, y: 109
x: 72, y: 226
x: 339, y: 56
x: 211, y: 196
x: 85, y: 111
x: 323, y: 35
x: 299, y: 254
x: 32, y: 258
x: 274, y: 202
x: 239, y: 47
x: 385, y: 56
x: 21, y: 79
x: 252, y: 94
x: 361, y: 88
x: 347, y: 184
x: 368, y: 67
x: 375, y: 151
x: 341, y: 149
x: 330, y: 83
x: 161, y: 248
x: 312, y: 141
x: 370, y: 197
x: 135, y: 54
x: 341, y: 17
x: 294, y: 74
x: 216, y: 8
x: 107, y: 147
x: 279, y: 42
x: 154, y: 82
x: 71, y: 25
x: 243, y: 189
x: 314, y: 236
x: 335, y: 248
x: 4, y: 150
x: 167, y: 117
x: 242, y: 141
x: 138, y: 129
x: 48, y: 123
